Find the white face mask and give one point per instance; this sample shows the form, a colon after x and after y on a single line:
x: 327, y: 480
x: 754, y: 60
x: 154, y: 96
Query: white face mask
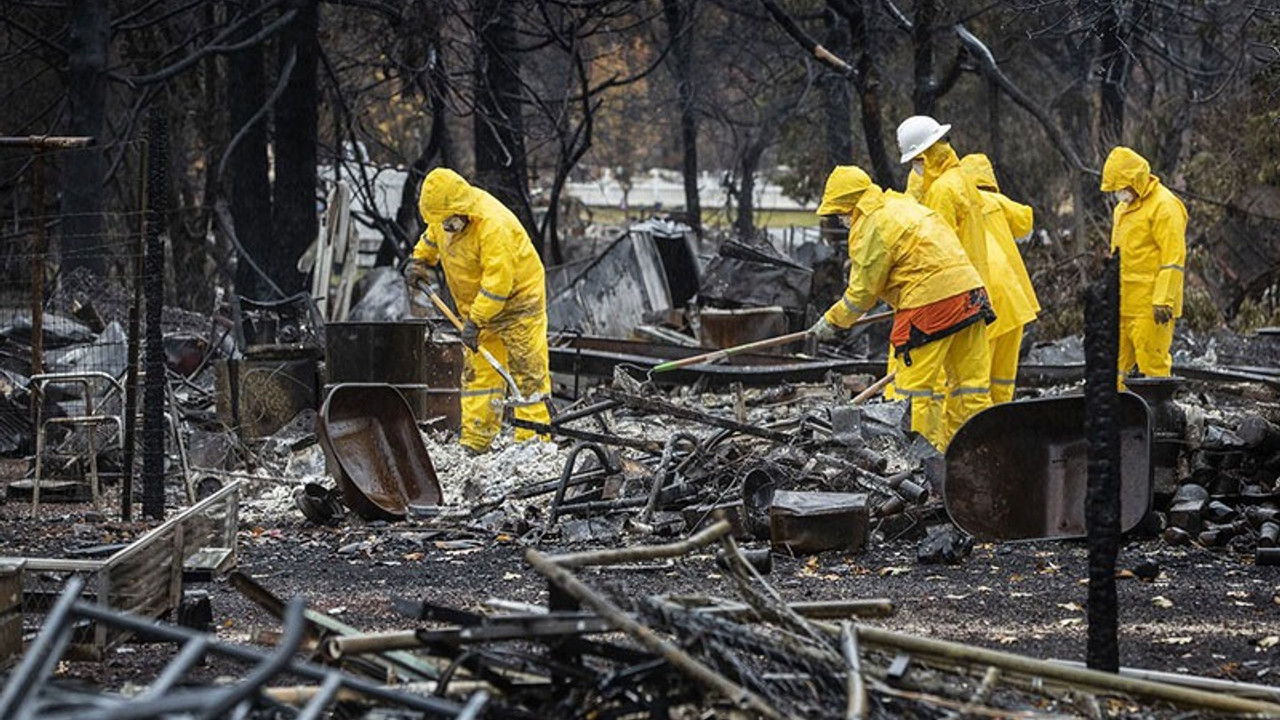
x: 917, y: 166
x: 846, y: 221
x: 454, y: 224
x: 1127, y: 195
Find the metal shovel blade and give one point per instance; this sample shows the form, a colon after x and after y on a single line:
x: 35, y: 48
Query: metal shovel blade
x: 1019, y: 471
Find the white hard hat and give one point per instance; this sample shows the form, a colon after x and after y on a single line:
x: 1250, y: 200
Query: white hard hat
x: 917, y: 133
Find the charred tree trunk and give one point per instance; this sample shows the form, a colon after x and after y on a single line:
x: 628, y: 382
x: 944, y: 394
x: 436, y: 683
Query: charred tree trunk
x: 294, y: 219
x: 868, y: 87
x: 925, y: 92
x: 1114, y: 58
x: 84, y: 170
x: 246, y: 173
x: 501, y: 164
x: 679, y: 17
x: 192, y: 265
x: 837, y: 105
x: 424, y: 22
x: 745, y: 223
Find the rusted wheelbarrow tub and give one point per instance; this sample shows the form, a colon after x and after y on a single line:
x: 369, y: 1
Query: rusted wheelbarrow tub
x: 374, y: 451
x: 1019, y: 470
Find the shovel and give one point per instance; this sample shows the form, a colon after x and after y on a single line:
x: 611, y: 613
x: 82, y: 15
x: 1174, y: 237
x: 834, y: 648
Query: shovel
x: 723, y: 353
x: 518, y: 400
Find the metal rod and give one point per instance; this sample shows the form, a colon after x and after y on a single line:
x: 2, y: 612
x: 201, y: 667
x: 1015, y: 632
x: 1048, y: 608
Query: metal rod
x: 435, y: 705
x: 700, y: 539
x: 661, y: 406
x: 647, y: 446
x: 1062, y: 673
x: 42, y: 655
x: 857, y: 705
x: 660, y: 477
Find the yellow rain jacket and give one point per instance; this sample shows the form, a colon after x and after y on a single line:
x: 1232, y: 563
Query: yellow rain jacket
x: 900, y: 251
x: 1012, y: 295
x: 1150, y: 234
x: 949, y: 192
x: 492, y: 268
x: 497, y: 279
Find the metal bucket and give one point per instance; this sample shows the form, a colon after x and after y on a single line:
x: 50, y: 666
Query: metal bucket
x: 425, y: 369
x: 374, y: 452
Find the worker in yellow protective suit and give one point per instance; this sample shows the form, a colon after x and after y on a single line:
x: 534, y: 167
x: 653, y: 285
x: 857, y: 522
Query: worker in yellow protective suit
x: 1012, y: 295
x: 947, y: 190
x: 497, y: 279
x: 905, y: 254
x: 1149, y: 227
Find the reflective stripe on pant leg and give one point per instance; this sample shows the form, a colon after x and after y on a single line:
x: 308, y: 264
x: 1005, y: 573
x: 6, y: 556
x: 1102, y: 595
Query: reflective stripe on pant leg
x: 1004, y: 365
x: 482, y: 392
x: 528, y: 361
x: 968, y: 365
x: 923, y: 382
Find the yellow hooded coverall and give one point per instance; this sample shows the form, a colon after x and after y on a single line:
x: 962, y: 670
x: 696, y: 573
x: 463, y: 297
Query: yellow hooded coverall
x: 1012, y: 296
x: 1150, y: 234
x: 903, y: 252
x: 497, y: 279
x: 948, y: 191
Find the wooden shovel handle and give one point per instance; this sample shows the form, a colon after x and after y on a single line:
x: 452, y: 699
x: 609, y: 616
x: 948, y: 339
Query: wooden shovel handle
x: 758, y: 345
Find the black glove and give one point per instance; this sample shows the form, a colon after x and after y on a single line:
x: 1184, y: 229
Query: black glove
x: 471, y: 336
x: 1162, y: 314
x: 417, y: 271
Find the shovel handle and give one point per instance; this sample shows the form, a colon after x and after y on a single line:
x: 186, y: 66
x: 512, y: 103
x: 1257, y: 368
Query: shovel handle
x: 488, y: 356
x: 440, y: 304
x: 726, y: 352
x: 873, y: 388
x: 758, y: 345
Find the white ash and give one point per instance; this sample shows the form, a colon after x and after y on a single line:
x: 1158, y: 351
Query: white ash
x: 270, y: 501
x: 477, y: 479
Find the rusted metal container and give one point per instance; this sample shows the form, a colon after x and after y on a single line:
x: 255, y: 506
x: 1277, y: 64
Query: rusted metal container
x: 728, y: 328
x: 258, y: 394
x: 809, y: 522
x: 374, y: 451
x: 10, y: 613
x: 1019, y: 471
x: 406, y: 354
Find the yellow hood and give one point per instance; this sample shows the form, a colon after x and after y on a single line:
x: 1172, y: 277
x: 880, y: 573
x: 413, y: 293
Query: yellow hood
x: 1125, y: 168
x: 845, y: 185
x: 978, y: 167
x: 445, y: 193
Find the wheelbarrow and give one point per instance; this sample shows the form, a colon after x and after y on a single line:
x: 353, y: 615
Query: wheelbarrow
x: 374, y: 451
x: 1019, y: 470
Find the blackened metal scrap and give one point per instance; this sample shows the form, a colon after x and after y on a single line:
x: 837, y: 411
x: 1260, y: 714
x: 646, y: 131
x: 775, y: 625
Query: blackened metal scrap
x: 646, y: 446
x: 28, y: 696
x: 569, y: 463
x: 403, y: 664
x: 668, y: 408
x: 494, y: 630
x: 661, y: 475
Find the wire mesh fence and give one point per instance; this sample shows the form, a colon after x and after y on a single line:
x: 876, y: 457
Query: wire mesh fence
x: 71, y: 313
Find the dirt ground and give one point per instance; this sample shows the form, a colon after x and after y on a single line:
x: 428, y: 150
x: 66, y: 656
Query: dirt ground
x: 1207, y: 613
